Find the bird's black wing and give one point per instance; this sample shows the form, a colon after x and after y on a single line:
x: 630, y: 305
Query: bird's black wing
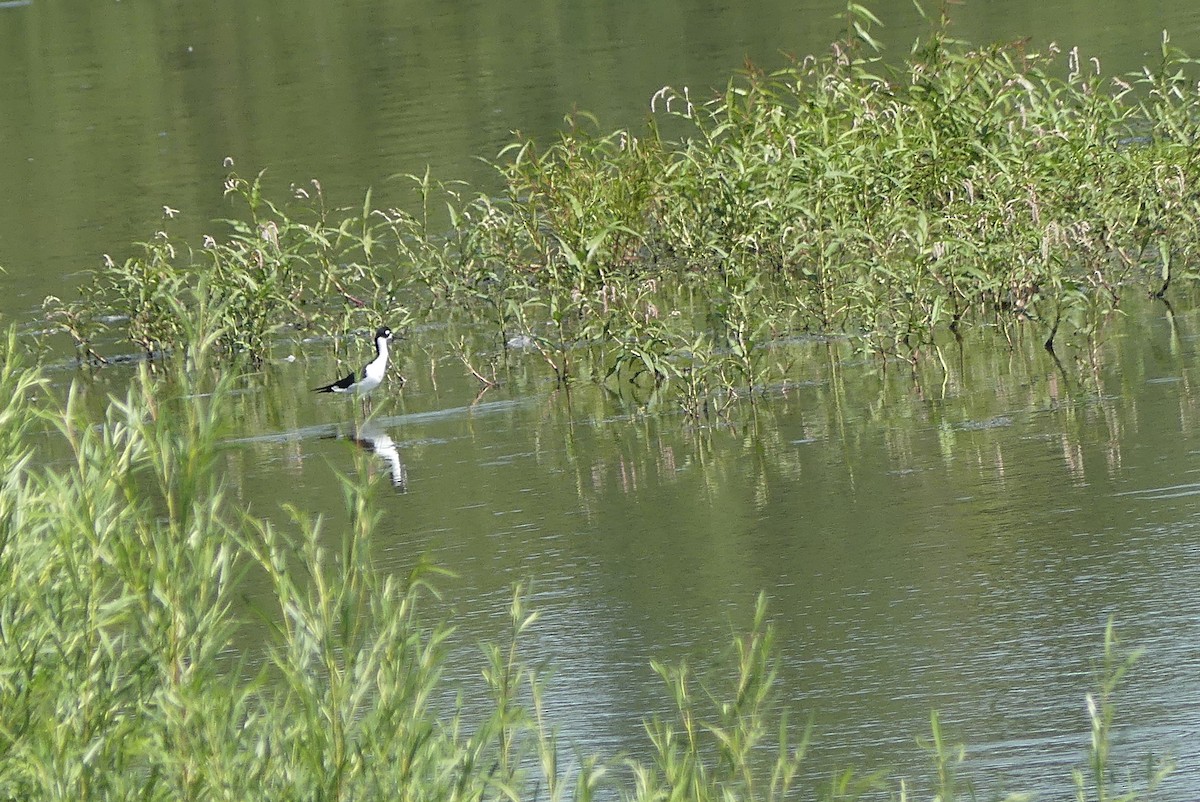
x: 340, y: 384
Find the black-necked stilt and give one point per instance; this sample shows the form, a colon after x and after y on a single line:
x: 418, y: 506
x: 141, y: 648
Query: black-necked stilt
x: 371, y: 376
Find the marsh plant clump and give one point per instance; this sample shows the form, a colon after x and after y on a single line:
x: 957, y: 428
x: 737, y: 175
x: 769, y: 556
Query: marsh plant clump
x: 847, y: 195
x: 160, y: 642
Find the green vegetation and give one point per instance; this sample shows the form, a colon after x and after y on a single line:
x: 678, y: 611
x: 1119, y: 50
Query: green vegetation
x: 135, y: 667
x: 839, y: 196
x: 843, y: 195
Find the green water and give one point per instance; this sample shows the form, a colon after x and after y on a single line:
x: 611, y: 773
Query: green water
x: 953, y: 538
x: 112, y: 110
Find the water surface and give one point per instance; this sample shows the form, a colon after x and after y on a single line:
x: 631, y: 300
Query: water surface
x: 111, y: 111
x: 950, y: 540
x: 931, y: 540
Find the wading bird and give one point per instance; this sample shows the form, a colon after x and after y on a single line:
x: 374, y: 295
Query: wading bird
x: 370, y: 377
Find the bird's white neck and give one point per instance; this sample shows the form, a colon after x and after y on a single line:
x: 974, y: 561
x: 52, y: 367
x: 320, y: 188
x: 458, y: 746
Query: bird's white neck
x: 374, y: 371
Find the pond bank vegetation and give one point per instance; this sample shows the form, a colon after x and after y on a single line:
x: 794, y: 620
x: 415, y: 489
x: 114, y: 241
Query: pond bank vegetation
x: 845, y: 195
x: 137, y: 664
x: 842, y: 196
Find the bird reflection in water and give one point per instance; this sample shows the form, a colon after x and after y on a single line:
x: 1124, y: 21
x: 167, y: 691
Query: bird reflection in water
x: 371, y: 437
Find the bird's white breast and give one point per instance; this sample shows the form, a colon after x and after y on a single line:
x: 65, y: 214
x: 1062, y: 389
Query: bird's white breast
x: 374, y: 371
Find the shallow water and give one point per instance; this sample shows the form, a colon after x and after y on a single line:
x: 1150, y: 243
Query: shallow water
x: 952, y: 539
x: 932, y: 540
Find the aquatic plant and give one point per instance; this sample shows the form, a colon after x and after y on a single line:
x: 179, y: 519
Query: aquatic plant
x: 137, y: 661
x: 884, y: 200
x: 1098, y: 782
